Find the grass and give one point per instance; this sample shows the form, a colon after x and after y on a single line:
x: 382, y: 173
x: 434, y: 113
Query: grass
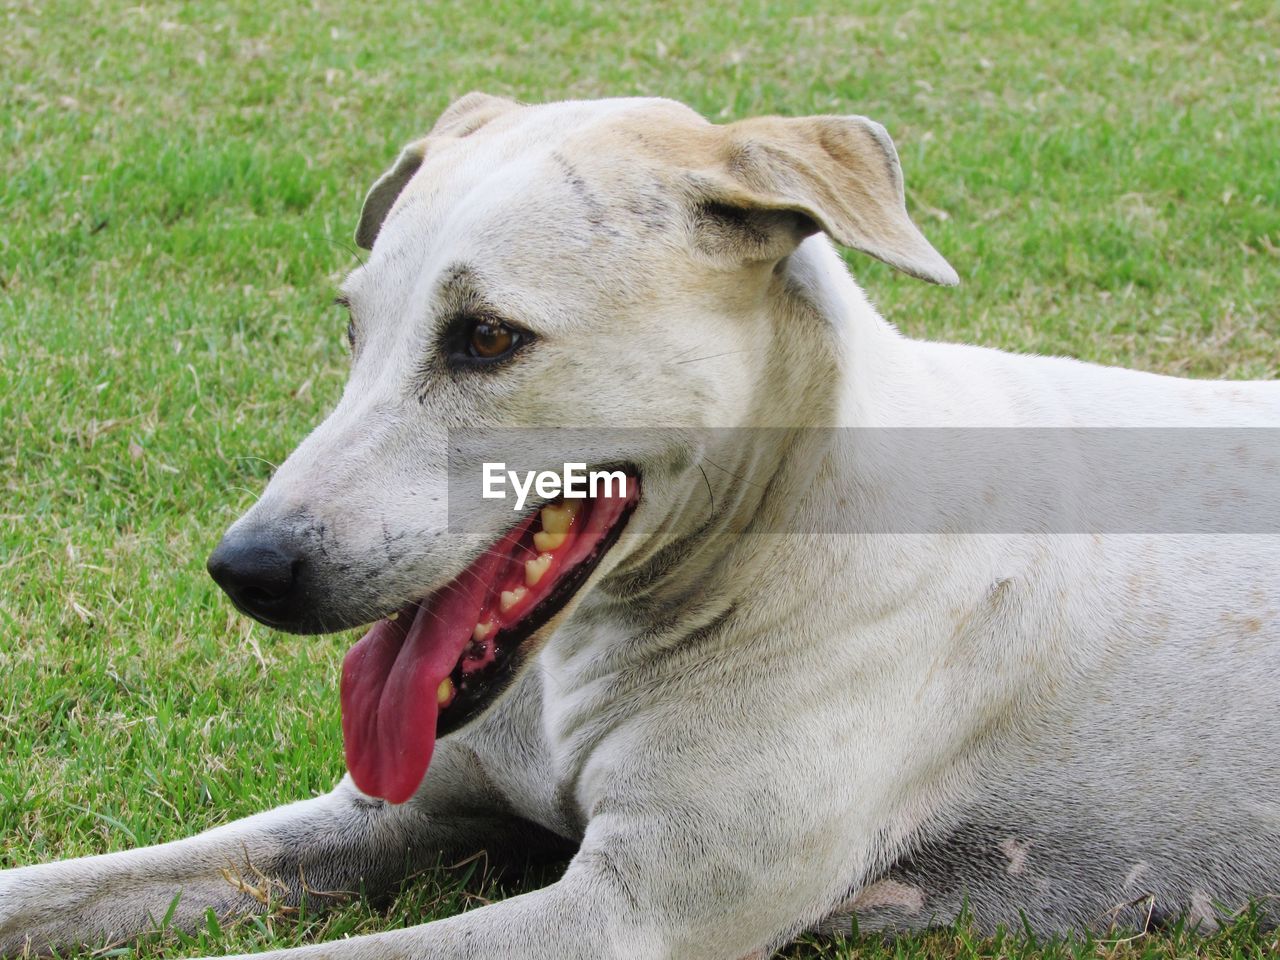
x: 179, y: 185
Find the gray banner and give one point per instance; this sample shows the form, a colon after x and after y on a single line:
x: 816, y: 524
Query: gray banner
x: 979, y: 481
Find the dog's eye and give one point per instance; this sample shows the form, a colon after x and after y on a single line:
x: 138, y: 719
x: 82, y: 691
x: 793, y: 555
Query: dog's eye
x: 490, y: 340
x: 351, y: 334
x: 480, y: 341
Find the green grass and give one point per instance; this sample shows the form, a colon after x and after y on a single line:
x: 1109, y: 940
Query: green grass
x: 179, y: 187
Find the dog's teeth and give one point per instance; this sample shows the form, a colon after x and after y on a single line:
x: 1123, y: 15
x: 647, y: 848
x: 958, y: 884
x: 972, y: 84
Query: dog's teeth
x: 534, y: 569
x: 444, y: 693
x: 510, y: 598
x: 557, y: 517
x: 545, y: 542
x: 483, y: 631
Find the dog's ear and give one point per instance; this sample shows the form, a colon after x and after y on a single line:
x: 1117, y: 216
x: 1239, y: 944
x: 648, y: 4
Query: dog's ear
x: 464, y: 116
x: 469, y: 113
x: 383, y: 193
x: 780, y: 179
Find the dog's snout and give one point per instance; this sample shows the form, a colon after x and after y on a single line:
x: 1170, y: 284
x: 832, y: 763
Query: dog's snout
x: 260, y: 572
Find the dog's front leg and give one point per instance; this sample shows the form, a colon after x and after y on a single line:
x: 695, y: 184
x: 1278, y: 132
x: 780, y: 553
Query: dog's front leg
x: 674, y: 886
x: 581, y: 917
x: 317, y: 849
x: 568, y: 920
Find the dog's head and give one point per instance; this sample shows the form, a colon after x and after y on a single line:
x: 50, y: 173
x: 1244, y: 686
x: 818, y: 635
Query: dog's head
x: 538, y: 267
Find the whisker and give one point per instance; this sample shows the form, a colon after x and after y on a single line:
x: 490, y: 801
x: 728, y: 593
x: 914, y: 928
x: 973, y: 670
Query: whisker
x: 758, y: 486
x: 709, y: 491
x: 714, y: 356
x: 344, y: 245
x: 273, y: 466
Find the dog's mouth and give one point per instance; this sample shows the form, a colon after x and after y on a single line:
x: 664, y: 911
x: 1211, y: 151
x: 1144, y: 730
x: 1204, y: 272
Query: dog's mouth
x: 441, y: 660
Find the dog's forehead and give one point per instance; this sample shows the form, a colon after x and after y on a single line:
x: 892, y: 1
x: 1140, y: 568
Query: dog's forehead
x: 588, y: 128
x: 575, y: 134
x: 554, y: 194
x: 613, y: 143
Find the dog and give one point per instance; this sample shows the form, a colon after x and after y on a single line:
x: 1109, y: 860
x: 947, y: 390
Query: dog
x: 754, y: 688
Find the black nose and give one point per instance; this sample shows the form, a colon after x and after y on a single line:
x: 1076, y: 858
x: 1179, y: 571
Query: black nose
x: 260, y: 573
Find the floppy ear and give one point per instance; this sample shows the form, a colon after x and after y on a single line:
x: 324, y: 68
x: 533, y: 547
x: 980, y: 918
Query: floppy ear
x: 787, y: 178
x: 464, y: 116
x: 383, y: 193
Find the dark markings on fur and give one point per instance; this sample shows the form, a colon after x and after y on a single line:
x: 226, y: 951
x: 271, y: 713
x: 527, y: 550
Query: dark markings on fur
x: 597, y: 212
x: 392, y: 541
x: 459, y: 281
x: 651, y: 208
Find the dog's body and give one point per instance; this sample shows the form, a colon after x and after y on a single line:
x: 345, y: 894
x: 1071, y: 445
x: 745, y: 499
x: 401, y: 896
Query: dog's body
x: 746, y: 736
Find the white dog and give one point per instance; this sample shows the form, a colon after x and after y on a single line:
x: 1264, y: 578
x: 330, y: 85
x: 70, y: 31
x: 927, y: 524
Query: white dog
x: 789, y: 674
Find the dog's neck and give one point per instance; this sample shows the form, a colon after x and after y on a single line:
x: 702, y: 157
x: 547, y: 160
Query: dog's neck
x: 834, y: 363
x: 751, y: 559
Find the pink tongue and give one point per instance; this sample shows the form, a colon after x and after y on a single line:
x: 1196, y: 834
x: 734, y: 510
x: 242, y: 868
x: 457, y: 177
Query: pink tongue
x: 390, y: 679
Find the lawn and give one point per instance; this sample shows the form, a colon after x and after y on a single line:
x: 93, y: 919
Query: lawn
x: 180, y: 185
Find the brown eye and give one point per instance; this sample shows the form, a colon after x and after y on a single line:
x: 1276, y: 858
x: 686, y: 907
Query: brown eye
x: 489, y: 340
x: 478, y: 341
